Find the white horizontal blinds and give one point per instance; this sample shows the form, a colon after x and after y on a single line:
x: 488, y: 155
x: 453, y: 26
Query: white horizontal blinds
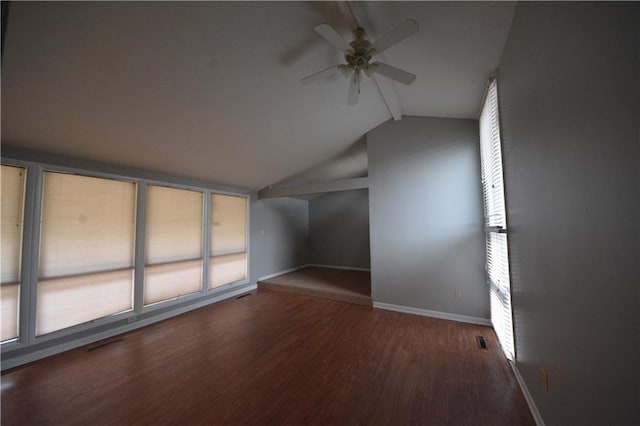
x: 496, y: 221
x: 86, y: 250
x: 12, y: 187
x: 228, y: 239
x: 173, y: 243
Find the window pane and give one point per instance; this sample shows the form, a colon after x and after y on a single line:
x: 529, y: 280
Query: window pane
x: 9, y: 296
x: 228, y: 269
x: 228, y: 239
x: 12, y: 206
x: 86, y: 250
x: 87, y: 225
x: 173, y: 243
x: 229, y: 224
x: 495, y: 216
x: 63, y: 302
x: 12, y: 186
x: 170, y: 280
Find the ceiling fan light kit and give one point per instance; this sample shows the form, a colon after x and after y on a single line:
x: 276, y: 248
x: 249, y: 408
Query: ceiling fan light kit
x: 359, y: 53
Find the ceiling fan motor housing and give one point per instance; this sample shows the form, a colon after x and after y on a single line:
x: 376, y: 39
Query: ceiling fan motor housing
x: 362, y: 52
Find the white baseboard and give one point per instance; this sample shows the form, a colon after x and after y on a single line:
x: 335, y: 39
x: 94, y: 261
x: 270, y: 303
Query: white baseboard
x: 348, y: 268
x: 275, y: 274
x: 433, y: 314
x: 527, y: 395
x: 63, y: 347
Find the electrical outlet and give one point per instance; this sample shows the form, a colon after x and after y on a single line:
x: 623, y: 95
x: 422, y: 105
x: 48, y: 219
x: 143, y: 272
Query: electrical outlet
x: 457, y: 294
x: 544, y: 378
x: 132, y: 319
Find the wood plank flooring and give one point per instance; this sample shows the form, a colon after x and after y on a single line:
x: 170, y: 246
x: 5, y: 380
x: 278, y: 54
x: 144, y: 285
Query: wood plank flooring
x: 275, y: 358
x: 336, y: 284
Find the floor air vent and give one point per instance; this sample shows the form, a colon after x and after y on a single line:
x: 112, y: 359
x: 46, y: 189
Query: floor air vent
x: 482, y: 344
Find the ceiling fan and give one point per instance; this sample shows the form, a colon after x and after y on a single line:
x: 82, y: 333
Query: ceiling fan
x: 359, y: 53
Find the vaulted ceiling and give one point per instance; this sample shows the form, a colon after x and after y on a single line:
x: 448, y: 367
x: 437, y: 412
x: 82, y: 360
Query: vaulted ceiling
x: 212, y: 91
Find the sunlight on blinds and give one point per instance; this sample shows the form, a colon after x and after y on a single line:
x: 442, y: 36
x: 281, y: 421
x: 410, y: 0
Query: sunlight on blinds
x: 496, y: 222
x: 167, y: 281
x: 228, y: 239
x: 86, y: 250
x: 10, y: 297
x: 67, y: 301
x: 228, y: 269
x: 87, y: 225
x: 229, y: 224
x: 12, y: 186
x: 173, y: 238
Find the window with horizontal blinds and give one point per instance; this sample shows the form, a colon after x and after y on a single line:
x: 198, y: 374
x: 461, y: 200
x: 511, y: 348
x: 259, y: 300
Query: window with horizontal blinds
x: 13, y: 191
x: 173, y: 243
x: 86, y: 250
x: 228, y: 261
x: 496, y: 221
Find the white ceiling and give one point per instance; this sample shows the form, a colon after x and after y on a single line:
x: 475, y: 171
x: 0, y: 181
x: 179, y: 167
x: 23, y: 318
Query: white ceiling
x: 211, y: 90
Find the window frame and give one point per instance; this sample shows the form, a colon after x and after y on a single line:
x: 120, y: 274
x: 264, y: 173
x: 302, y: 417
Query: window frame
x: 508, y: 350
x: 153, y: 306
x: 38, y: 235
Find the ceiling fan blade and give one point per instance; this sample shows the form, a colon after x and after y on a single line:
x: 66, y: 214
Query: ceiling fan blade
x: 332, y: 37
x: 320, y: 74
x: 354, y: 88
x: 346, y: 70
x: 396, y: 35
x: 394, y: 73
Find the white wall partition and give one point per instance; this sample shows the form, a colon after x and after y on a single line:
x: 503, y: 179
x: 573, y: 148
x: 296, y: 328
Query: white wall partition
x: 425, y: 207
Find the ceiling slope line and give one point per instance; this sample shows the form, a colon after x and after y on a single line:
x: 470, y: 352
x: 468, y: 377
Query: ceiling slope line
x: 315, y: 188
x: 356, y: 11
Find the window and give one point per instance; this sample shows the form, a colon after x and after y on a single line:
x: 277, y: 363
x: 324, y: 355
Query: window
x: 228, y: 240
x: 174, y: 234
x: 496, y: 221
x: 86, y: 250
x: 13, y: 187
x: 86, y: 267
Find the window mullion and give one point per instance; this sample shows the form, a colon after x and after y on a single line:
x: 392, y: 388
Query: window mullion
x: 206, y: 241
x: 139, y: 261
x: 31, y: 254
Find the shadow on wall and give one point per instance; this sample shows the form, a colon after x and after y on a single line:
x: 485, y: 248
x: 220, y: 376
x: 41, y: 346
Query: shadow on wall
x: 279, y: 234
x: 351, y: 163
x: 339, y: 229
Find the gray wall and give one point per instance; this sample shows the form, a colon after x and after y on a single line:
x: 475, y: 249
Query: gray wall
x: 425, y: 201
x: 339, y: 229
x: 568, y: 88
x: 279, y: 234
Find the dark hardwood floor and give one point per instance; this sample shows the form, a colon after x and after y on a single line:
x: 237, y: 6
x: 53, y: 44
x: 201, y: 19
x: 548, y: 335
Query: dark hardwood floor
x: 275, y: 358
